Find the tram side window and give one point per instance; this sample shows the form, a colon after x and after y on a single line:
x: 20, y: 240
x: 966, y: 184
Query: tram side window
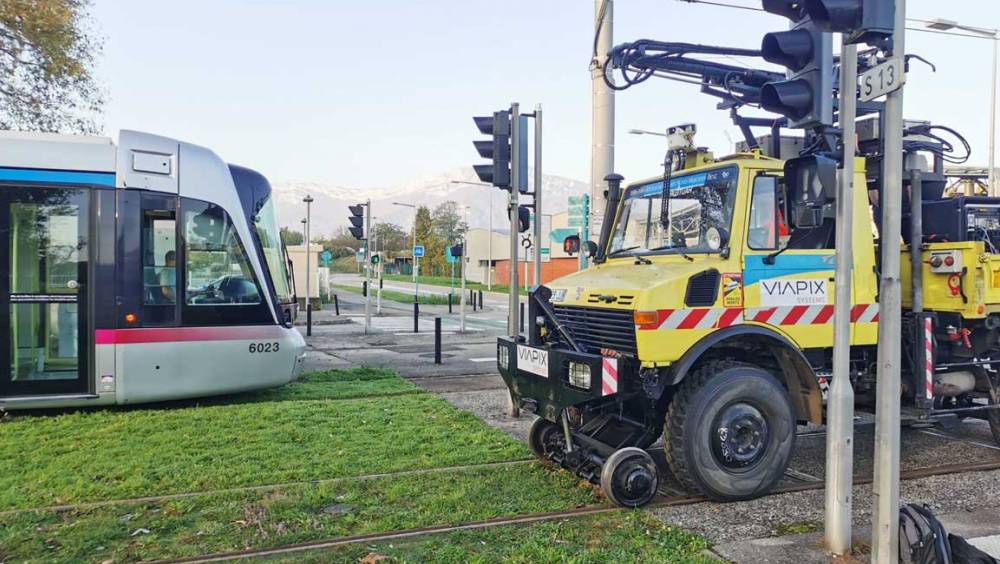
x: 216, y: 271
x: 159, y: 258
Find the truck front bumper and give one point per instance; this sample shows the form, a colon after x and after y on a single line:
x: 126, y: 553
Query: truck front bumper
x: 540, y: 379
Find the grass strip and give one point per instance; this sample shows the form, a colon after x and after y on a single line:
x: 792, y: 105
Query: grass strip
x: 623, y: 536
x: 287, y: 435
x: 251, y: 520
x: 427, y: 299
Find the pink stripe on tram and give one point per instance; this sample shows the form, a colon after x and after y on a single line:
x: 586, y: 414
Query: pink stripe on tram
x: 184, y: 334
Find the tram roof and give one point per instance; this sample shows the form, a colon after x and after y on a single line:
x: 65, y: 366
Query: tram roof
x: 57, y: 152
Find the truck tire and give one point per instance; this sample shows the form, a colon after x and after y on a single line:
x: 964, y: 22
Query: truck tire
x: 729, y: 431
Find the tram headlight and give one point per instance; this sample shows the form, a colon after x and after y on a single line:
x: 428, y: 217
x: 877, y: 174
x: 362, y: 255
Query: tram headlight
x: 579, y: 375
x: 503, y: 357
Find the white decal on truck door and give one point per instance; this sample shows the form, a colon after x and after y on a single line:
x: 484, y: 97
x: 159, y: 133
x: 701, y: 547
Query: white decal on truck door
x: 790, y: 291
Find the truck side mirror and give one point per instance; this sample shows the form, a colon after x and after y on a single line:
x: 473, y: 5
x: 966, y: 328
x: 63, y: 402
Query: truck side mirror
x: 811, y: 183
x: 590, y: 248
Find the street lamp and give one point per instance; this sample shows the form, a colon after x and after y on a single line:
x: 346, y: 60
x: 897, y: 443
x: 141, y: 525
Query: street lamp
x: 489, y: 239
x: 941, y: 24
x: 416, y: 268
x: 646, y: 132
x: 308, y: 201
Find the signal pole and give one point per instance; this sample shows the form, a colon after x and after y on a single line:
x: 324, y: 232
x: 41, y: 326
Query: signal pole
x: 885, y: 511
x: 368, y: 267
x: 840, y: 403
x: 602, y: 151
x: 515, y: 182
x: 538, y: 194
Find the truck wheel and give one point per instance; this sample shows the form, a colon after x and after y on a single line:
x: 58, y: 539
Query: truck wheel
x: 542, y: 436
x: 629, y: 477
x: 729, y: 431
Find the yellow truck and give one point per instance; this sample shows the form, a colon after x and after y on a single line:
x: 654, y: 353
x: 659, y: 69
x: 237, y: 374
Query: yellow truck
x: 714, y: 329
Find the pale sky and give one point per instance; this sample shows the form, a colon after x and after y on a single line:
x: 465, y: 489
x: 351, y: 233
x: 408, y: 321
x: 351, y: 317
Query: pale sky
x: 373, y: 93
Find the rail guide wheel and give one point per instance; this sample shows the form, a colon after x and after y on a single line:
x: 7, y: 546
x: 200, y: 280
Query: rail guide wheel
x: 629, y: 477
x: 543, y: 437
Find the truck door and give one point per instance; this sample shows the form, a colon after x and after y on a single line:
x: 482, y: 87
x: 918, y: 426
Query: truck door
x: 787, y: 274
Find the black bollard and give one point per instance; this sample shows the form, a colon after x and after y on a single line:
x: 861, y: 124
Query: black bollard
x: 309, y: 318
x: 480, y: 299
x: 437, y: 340
x: 336, y: 305
x: 449, y: 302
x: 364, y: 288
x: 522, y: 317
x: 416, y: 315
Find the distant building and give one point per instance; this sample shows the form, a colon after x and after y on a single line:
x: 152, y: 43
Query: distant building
x: 320, y: 276
x: 555, y: 262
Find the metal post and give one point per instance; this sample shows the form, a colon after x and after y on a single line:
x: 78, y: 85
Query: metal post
x: 378, y: 274
x: 489, y: 245
x: 993, y: 190
x: 461, y: 305
x: 579, y: 233
x: 309, y: 329
x: 449, y: 301
x: 480, y: 299
x: 538, y: 194
x: 416, y: 315
x: 336, y: 305
x: 368, y: 266
x: 602, y: 151
x: 840, y: 401
x: 885, y: 511
x: 515, y: 132
x: 917, y: 241
x: 437, y: 340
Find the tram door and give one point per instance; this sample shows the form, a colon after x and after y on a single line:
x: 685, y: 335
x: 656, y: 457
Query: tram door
x: 44, y: 248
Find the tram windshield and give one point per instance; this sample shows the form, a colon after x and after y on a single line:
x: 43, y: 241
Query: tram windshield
x: 269, y: 234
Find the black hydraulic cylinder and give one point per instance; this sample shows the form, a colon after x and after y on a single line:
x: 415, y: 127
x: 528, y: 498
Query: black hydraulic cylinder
x: 437, y: 340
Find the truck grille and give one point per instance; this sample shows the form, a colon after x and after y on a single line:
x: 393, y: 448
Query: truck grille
x: 595, y: 329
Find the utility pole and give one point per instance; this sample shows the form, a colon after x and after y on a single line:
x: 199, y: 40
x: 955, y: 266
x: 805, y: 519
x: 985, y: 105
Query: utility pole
x: 538, y: 194
x: 515, y: 181
x: 840, y: 401
x: 602, y: 151
x: 368, y: 267
x: 378, y: 272
x: 885, y: 510
x: 308, y: 200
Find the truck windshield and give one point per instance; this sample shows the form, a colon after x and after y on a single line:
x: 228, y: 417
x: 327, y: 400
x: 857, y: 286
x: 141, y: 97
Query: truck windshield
x: 269, y: 234
x: 698, y: 201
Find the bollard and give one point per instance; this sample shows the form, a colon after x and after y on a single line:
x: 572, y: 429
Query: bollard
x: 475, y: 302
x: 336, y: 305
x: 437, y: 340
x: 522, y: 317
x: 416, y: 315
x: 480, y: 299
x: 364, y: 288
x: 449, y: 301
x: 308, y: 318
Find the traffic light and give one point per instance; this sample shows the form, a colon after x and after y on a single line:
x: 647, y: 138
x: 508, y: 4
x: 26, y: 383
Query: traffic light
x: 357, y: 218
x: 861, y: 21
x: 376, y: 258
x: 523, y: 219
x: 806, y: 97
x: 496, y: 149
x: 457, y: 250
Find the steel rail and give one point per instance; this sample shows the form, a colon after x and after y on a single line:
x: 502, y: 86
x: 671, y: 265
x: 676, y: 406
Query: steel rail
x: 258, y: 488
x: 662, y: 501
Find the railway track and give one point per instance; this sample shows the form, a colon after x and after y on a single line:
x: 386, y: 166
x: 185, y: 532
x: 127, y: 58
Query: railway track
x: 664, y: 500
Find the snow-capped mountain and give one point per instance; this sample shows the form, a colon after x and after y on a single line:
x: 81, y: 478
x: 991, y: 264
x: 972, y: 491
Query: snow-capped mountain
x: 329, y: 210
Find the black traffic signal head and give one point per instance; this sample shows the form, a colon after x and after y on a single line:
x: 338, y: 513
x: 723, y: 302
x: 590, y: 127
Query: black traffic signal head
x: 811, y: 185
x: 861, y: 21
x: 497, y: 149
x: 457, y: 250
x: 357, y: 219
x: 571, y: 245
x: 806, y: 98
x: 523, y: 219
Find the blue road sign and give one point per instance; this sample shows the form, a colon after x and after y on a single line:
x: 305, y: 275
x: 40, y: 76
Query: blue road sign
x: 325, y: 257
x: 418, y: 251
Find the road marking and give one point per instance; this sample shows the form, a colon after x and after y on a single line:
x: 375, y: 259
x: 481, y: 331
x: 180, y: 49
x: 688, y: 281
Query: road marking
x: 483, y: 359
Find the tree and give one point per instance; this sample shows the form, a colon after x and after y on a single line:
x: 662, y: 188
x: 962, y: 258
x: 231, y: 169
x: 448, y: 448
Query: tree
x: 390, y: 237
x: 433, y: 261
x: 47, y: 53
x: 291, y: 238
x: 341, y: 243
x: 448, y: 223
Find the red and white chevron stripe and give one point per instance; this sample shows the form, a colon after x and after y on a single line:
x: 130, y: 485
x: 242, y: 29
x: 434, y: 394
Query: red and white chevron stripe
x: 929, y: 357
x: 609, y: 376
x: 719, y: 318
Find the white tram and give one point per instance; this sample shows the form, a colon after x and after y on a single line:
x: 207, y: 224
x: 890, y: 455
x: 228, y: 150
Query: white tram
x: 143, y: 271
